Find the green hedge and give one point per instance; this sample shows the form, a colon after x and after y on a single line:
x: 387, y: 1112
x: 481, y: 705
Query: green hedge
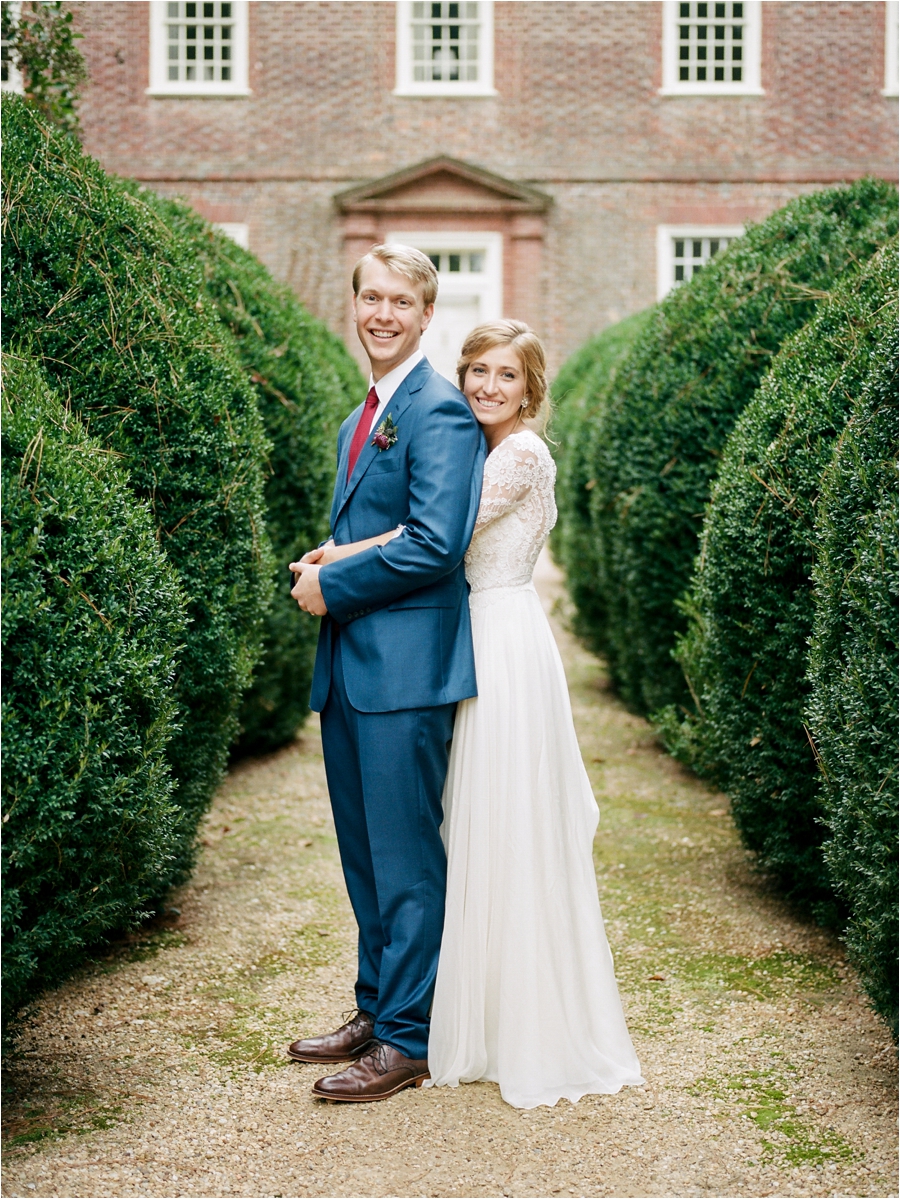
x: 114, y: 305
x: 578, y: 394
x: 659, y: 439
x: 92, y: 618
x: 751, y: 602
x: 306, y: 383
x: 852, y: 711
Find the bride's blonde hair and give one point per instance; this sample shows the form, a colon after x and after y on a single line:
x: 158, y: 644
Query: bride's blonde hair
x: 527, y: 345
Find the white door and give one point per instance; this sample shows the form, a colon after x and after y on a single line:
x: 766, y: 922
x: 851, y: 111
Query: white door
x: 470, y: 289
x: 454, y: 317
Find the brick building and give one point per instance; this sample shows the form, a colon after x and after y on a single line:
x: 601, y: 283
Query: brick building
x: 563, y: 162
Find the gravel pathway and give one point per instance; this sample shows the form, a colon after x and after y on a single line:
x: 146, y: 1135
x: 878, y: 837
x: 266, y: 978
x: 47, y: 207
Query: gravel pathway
x: 159, y: 1070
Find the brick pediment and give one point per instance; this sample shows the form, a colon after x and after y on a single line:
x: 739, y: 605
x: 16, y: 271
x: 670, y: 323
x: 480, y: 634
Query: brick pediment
x: 442, y: 185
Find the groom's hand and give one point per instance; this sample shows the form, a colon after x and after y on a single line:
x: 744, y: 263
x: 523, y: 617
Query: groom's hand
x: 306, y: 591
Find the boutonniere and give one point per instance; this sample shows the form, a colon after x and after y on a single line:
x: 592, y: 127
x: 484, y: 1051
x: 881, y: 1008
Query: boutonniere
x: 385, y: 434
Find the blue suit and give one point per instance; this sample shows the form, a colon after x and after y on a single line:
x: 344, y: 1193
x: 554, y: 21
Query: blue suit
x: 394, y: 657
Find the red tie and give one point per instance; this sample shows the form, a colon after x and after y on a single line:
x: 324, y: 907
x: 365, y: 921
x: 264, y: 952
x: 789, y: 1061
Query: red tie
x: 363, y: 429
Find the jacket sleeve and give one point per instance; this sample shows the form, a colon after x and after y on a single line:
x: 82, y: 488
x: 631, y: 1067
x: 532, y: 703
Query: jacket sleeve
x: 446, y: 460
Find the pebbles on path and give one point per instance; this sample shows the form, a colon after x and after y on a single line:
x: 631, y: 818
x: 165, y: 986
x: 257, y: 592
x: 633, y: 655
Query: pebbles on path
x: 159, y: 1070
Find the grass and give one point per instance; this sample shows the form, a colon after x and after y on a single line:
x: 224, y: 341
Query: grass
x: 762, y: 1098
x: 59, y: 1113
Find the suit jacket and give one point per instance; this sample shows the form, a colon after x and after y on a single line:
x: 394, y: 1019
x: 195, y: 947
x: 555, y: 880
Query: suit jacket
x: 403, y: 608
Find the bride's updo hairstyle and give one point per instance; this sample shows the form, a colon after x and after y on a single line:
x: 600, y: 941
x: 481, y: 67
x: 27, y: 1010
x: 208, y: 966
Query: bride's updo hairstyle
x: 526, y: 344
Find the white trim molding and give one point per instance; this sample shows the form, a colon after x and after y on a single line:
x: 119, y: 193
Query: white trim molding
x: 454, y: 40
x: 199, y: 49
x: 706, y: 44
x: 891, y: 37
x: 668, y: 237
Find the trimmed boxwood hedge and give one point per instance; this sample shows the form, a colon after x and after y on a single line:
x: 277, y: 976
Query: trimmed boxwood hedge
x: 578, y: 393
x: 306, y: 383
x: 92, y: 619
x: 114, y: 305
x: 676, y: 397
x: 751, y: 603
x: 852, y: 710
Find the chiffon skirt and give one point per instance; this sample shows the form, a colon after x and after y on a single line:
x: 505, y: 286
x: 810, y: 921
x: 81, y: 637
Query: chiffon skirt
x: 526, y: 993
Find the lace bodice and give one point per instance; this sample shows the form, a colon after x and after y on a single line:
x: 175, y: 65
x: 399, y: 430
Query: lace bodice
x: 516, y: 514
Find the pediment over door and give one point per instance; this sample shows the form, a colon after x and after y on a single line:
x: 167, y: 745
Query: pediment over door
x: 446, y: 205
x: 442, y: 186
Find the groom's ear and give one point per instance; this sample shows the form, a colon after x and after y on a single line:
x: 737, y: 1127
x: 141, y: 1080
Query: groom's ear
x: 426, y: 316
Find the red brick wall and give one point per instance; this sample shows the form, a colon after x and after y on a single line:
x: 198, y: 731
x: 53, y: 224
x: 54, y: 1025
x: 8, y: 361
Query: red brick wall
x: 578, y: 114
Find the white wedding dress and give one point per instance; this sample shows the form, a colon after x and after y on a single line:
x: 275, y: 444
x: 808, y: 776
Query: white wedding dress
x: 526, y: 994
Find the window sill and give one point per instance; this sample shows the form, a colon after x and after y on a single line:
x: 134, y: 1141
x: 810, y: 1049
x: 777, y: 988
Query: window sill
x: 712, y: 89
x: 890, y: 92
x: 199, y: 93
x: 443, y: 91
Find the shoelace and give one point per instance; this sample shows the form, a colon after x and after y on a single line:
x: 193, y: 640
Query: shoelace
x: 354, y: 1016
x: 378, y: 1054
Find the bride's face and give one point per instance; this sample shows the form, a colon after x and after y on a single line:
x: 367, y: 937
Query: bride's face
x: 495, y: 389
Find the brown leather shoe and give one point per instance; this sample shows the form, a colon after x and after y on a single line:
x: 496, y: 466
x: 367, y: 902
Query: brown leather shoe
x: 344, y: 1045
x: 382, y: 1071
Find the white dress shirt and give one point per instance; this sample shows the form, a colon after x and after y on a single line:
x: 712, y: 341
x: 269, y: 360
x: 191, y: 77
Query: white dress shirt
x: 388, y: 384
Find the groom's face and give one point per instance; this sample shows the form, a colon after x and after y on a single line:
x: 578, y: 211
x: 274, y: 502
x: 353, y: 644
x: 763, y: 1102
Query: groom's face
x: 391, y: 316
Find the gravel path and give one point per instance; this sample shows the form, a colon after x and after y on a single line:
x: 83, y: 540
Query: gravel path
x: 159, y: 1070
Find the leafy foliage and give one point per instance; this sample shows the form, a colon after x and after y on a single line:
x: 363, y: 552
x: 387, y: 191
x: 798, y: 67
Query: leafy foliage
x: 43, y: 50
x: 750, y: 607
x: 852, y: 709
x: 306, y: 383
x: 114, y: 305
x: 93, y: 617
x: 659, y: 437
x: 579, y: 393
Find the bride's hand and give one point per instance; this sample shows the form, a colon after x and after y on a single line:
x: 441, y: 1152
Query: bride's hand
x: 315, y: 557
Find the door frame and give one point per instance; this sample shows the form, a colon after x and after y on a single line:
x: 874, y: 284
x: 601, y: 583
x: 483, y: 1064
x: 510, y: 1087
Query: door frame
x: 491, y: 244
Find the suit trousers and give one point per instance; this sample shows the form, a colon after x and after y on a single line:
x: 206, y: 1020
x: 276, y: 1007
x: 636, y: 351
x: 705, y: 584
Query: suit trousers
x: 386, y: 773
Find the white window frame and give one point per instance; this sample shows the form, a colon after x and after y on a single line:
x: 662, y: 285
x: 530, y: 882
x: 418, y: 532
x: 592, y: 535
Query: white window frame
x: 665, y: 254
x: 407, y: 86
x: 238, y: 231
x: 891, y: 37
x: 15, y: 83
x: 235, y: 87
x: 750, y: 85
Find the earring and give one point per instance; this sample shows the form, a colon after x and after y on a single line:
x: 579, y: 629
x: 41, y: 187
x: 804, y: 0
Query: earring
x: 524, y: 403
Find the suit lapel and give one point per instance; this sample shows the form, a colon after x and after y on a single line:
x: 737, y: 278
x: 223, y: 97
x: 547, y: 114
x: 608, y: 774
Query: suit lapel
x: 340, y: 485
x: 399, y: 402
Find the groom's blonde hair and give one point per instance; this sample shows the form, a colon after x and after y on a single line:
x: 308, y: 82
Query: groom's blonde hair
x: 527, y: 345
x: 412, y: 264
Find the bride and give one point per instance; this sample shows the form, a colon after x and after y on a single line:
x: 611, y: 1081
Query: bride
x: 526, y: 994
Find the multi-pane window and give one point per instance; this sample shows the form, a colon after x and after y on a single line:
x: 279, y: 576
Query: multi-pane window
x: 711, y: 46
x: 711, y: 42
x: 10, y: 76
x: 468, y: 262
x: 682, y: 251
x: 199, y: 42
x: 198, y: 47
x: 445, y: 47
x: 445, y: 41
x: 690, y: 254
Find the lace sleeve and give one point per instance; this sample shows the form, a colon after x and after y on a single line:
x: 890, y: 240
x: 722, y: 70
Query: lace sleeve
x: 509, y: 475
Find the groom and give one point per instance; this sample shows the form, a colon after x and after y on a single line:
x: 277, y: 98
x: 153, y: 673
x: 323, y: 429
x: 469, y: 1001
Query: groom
x: 394, y: 657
